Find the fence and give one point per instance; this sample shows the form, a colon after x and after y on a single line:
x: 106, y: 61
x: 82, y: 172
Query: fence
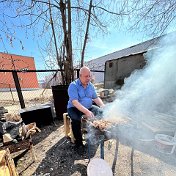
x: 20, y: 89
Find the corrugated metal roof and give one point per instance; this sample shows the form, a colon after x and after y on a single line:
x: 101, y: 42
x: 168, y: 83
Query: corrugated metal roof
x: 99, y: 63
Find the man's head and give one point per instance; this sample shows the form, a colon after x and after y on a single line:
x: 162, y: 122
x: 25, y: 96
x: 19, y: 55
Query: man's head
x: 84, y: 75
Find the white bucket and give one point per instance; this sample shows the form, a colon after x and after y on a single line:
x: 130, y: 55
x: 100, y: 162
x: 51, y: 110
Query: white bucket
x: 98, y: 167
x: 165, y: 143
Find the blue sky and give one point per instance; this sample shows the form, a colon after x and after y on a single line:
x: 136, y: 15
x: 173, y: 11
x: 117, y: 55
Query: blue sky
x: 96, y: 47
x: 112, y: 42
x: 116, y: 39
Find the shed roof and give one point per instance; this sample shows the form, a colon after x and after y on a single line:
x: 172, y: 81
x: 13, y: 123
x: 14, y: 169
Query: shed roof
x: 99, y: 62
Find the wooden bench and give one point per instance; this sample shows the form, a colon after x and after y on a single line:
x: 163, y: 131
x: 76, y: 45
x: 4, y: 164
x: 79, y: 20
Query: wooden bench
x: 67, y: 127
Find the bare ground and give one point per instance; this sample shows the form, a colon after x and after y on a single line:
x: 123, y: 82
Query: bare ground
x: 10, y: 100
x: 56, y: 157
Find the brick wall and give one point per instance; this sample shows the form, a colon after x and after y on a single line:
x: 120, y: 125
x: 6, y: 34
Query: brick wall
x: 17, y: 62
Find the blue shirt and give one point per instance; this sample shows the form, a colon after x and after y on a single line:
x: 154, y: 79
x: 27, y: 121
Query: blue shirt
x: 76, y: 91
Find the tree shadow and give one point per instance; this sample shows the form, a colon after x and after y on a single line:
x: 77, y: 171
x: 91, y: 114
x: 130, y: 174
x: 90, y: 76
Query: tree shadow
x: 63, y: 159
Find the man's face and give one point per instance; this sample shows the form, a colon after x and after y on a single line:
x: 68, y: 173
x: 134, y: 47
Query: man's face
x: 85, y: 77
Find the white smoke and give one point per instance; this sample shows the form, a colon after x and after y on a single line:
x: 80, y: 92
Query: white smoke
x: 150, y: 90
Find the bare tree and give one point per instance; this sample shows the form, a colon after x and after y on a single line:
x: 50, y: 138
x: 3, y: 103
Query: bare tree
x: 86, y: 33
x: 152, y: 17
x: 65, y: 27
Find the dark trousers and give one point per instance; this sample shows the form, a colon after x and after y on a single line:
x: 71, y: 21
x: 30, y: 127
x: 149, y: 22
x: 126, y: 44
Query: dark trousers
x: 75, y: 116
x: 76, y: 128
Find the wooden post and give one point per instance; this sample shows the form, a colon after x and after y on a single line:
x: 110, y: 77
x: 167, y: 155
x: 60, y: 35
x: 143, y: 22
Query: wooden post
x: 18, y: 88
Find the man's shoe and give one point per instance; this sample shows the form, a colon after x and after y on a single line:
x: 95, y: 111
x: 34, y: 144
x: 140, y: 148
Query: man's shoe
x: 80, y: 149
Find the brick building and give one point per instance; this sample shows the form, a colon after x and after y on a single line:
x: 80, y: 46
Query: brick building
x: 17, y: 62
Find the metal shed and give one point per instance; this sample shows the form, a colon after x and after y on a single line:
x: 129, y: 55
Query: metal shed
x: 117, y: 70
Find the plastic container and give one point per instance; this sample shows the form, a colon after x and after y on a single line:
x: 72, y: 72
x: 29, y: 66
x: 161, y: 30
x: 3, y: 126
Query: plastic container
x: 98, y: 167
x: 165, y: 144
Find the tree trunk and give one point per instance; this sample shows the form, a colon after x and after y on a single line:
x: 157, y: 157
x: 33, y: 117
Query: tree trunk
x: 86, y: 34
x: 55, y: 42
x: 65, y: 10
x: 69, y: 50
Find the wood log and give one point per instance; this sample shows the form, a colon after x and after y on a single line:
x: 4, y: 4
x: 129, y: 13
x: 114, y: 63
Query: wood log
x: 7, y: 166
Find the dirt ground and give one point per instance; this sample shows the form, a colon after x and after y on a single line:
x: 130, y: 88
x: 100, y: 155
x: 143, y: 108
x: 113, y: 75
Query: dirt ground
x: 56, y: 157
x: 10, y: 100
x: 55, y: 154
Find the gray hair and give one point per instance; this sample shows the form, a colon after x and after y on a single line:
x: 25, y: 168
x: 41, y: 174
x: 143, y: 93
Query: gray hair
x: 83, y: 69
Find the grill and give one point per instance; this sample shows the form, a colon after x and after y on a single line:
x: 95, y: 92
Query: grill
x: 100, y: 130
x: 97, y: 126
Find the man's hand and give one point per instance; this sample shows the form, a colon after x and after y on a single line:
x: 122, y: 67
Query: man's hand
x: 82, y: 109
x: 89, y: 114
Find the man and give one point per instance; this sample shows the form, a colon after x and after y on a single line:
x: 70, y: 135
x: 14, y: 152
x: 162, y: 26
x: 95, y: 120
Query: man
x: 82, y: 94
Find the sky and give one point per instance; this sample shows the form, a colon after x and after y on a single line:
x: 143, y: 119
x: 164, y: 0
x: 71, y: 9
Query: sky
x: 97, y: 47
x: 114, y: 41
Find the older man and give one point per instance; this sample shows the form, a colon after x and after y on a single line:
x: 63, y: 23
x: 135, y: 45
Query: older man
x: 82, y: 94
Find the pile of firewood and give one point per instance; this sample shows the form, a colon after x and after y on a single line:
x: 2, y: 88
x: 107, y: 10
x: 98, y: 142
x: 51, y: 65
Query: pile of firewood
x: 17, y: 131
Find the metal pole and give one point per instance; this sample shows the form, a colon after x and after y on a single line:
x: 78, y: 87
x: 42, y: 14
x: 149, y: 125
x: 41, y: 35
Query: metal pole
x: 78, y: 73
x: 89, y: 149
x: 11, y: 93
x: 18, y: 88
x: 102, y: 147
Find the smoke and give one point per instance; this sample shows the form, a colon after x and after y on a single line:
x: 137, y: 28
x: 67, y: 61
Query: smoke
x: 151, y: 90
